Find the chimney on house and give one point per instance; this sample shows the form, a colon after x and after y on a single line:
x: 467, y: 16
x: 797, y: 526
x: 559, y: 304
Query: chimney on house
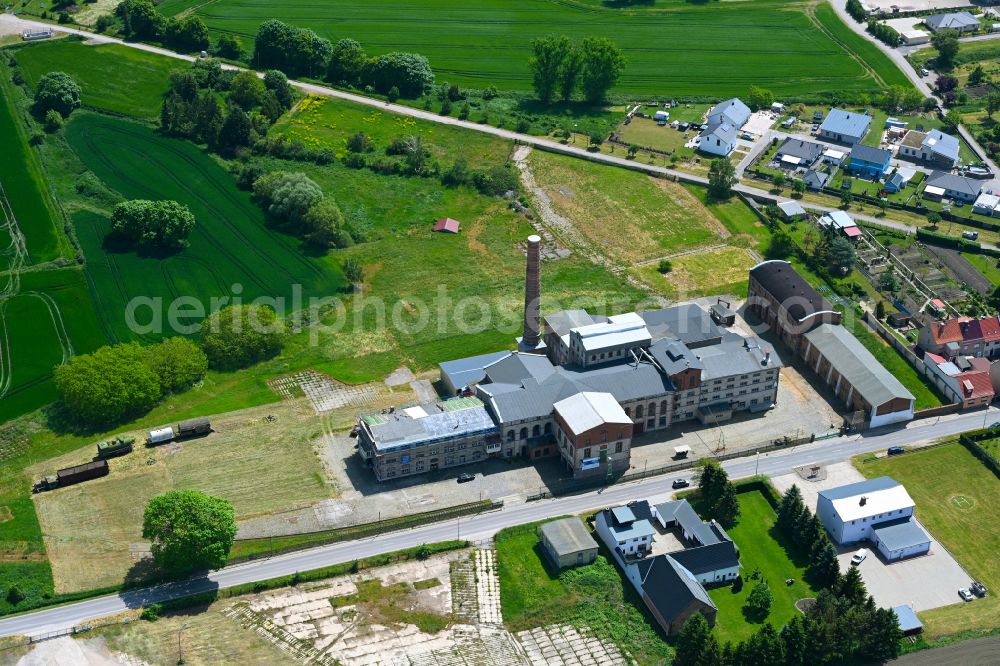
x: 532, y: 294
x: 864, y: 500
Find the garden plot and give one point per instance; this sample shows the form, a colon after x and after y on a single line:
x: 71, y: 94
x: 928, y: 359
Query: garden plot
x: 324, y: 393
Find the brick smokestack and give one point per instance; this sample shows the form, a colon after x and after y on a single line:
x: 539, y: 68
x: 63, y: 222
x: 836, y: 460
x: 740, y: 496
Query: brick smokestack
x: 532, y: 293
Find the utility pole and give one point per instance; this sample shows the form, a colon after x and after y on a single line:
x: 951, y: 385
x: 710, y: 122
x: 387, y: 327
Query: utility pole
x: 180, y: 648
x: 756, y: 464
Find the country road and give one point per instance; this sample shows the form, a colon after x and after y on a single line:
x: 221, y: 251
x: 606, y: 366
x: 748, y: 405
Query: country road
x: 484, y: 526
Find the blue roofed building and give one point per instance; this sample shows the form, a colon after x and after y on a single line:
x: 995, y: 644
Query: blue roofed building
x: 868, y: 162
x: 845, y: 126
x: 909, y: 623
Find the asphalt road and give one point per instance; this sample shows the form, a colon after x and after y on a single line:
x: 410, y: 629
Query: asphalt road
x: 979, y: 652
x: 485, y: 525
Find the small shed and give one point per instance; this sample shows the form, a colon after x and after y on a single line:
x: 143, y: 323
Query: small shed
x: 722, y: 314
x: 909, y: 623
x: 791, y: 210
x: 448, y: 225
x: 567, y: 543
x: 898, y: 319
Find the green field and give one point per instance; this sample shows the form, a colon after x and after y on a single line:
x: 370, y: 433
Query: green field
x: 674, y: 47
x: 754, y: 535
x: 230, y: 244
x: 956, y: 499
x: 112, y: 77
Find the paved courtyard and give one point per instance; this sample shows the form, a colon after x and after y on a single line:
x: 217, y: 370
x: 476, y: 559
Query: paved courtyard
x: 923, y: 582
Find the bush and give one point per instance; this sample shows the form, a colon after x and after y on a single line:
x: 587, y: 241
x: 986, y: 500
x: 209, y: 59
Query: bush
x: 359, y: 142
x: 496, y: 181
x: 178, y: 362
x: 15, y: 595
x: 104, y: 21
x: 104, y: 387
x: 153, y: 224
x: 393, y: 94
x: 758, y: 605
x: 287, y: 196
x: 57, y: 91
x: 241, y: 335
x: 665, y: 266
x: 53, y: 121
x: 151, y: 613
x: 409, y: 73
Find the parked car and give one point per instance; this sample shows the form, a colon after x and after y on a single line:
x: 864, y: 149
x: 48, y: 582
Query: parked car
x: 681, y: 483
x: 995, y: 424
x: 859, y: 557
x: 465, y: 477
x: 970, y: 235
x: 978, y: 588
x: 965, y: 594
x: 924, y: 71
x: 895, y: 450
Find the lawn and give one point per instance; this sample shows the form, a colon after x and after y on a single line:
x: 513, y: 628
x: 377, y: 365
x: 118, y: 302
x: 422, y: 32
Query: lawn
x: 626, y: 215
x: 279, y: 459
x: 988, y: 266
x: 674, y: 47
x: 722, y: 270
x: 645, y: 133
x: 956, y: 499
x: 760, y: 548
x: 230, y: 246
x: 22, y: 184
x: 112, y: 77
x: 594, y: 596
x: 914, y: 382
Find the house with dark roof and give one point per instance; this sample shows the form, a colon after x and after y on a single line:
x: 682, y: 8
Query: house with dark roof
x: 567, y: 543
x: 868, y: 162
x: 671, y: 593
x: 943, y: 185
x: 845, y: 126
x: 783, y: 300
x: 795, y: 153
x: 816, y: 180
x: 877, y: 510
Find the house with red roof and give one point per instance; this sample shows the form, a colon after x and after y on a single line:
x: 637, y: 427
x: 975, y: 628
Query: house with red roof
x: 963, y: 379
x: 962, y: 336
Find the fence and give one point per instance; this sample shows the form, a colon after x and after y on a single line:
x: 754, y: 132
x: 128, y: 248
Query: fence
x: 269, y: 546
x: 970, y: 440
x: 569, y: 486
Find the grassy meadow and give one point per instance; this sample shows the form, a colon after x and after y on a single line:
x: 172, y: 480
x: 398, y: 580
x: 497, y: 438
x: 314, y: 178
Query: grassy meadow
x: 673, y: 47
x: 956, y: 498
x: 112, y: 77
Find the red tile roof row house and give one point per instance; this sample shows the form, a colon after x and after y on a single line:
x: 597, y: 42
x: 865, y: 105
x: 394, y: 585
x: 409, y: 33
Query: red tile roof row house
x: 963, y: 336
x: 964, y: 379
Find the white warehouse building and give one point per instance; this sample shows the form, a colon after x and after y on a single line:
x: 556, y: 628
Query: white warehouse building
x: 877, y: 510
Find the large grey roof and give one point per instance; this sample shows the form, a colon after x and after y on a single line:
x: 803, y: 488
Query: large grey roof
x: 943, y: 144
x: 561, y: 322
x: 684, y: 515
x: 950, y: 181
x: 900, y: 533
x: 402, y: 430
x: 859, y: 151
x: 736, y: 356
x: 568, y: 536
x: 846, y: 123
x: 732, y: 111
x: 688, y: 322
x: 724, y: 132
x: 720, y: 555
x: 468, y: 371
x: 951, y: 21
x: 670, y: 587
x: 516, y: 367
x: 857, y: 365
x: 859, y: 488
x: 807, y: 151
x: 674, y: 356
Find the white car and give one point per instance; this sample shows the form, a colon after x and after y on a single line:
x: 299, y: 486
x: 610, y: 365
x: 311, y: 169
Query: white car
x: 859, y: 557
x: 923, y: 71
x: 965, y: 594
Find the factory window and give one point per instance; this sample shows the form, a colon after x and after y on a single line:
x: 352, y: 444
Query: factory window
x: 638, y: 411
x: 663, y: 421
x: 510, y: 435
x: 391, y: 472
x: 650, y: 423
x: 449, y: 448
x: 548, y: 428
x: 663, y: 406
x: 477, y: 455
x: 535, y: 431
x: 420, y: 467
x: 510, y: 452
x: 434, y: 452
x: 618, y: 447
x: 461, y: 460
x: 524, y: 433
x: 404, y: 470
x: 462, y: 446
x: 652, y: 408
x: 627, y: 411
x: 586, y: 452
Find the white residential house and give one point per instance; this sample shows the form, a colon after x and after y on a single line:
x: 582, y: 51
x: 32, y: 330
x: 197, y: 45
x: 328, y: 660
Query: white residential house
x: 934, y: 147
x: 723, y: 124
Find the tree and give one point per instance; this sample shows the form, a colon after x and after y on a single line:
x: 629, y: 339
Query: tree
x: 727, y: 508
x: 789, y: 509
x: 409, y: 72
x: 892, y: 97
x: 712, y: 481
x: 840, y: 255
x: 696, y: 645
x: 779, y: 181
x: 353, y: 271
x: 235, y: 132
x: 186, y: 34
x: 140, y: 20
x: 102, y: 388
x: 665, y: 266
x: 852, y: 587
x: 238, y: 336
x: 764, y: 648
x: 992, y: 103
x: 347, y: 63
x: 163, y: 225
x: 290, y: 49
x: 207, y: 72
x: 881, y: 636
x: 795, y: 638
x: 324, y: 226
x: 947, y: 45
x: 229, y: 46
x: 887, y: 280
x: 760, y: 98
x: 546, y: 65
x: 993, y: 300
x: 569, y: 73
x: 603, y: 64
x: 880, y: 310
x: 825, y: 570
x: 977, y: 75
x: 846, y: 199
x: 758, y: 604
x: 53, y: 121
x: 56, y: 91
x: 798, y: 185
x: 177, y: 362
x: 721, y: 178
x: 780, y: 246
x: 189, y: 530
x: 246, y: 90
x: 287, y: 196
x: 277, y: 83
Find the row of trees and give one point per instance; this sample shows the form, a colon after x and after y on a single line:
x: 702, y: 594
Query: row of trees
x: 560, y: 67
x: 153, y: 225
x: 844, y: 625
x: 884, y: 33
x: 225, y: 110
x: 140, y: 20
x: 299, y: 51
x: 297, y: 204
x: 120, y: 381
x: 718, y: 493
x: 805, y: 530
